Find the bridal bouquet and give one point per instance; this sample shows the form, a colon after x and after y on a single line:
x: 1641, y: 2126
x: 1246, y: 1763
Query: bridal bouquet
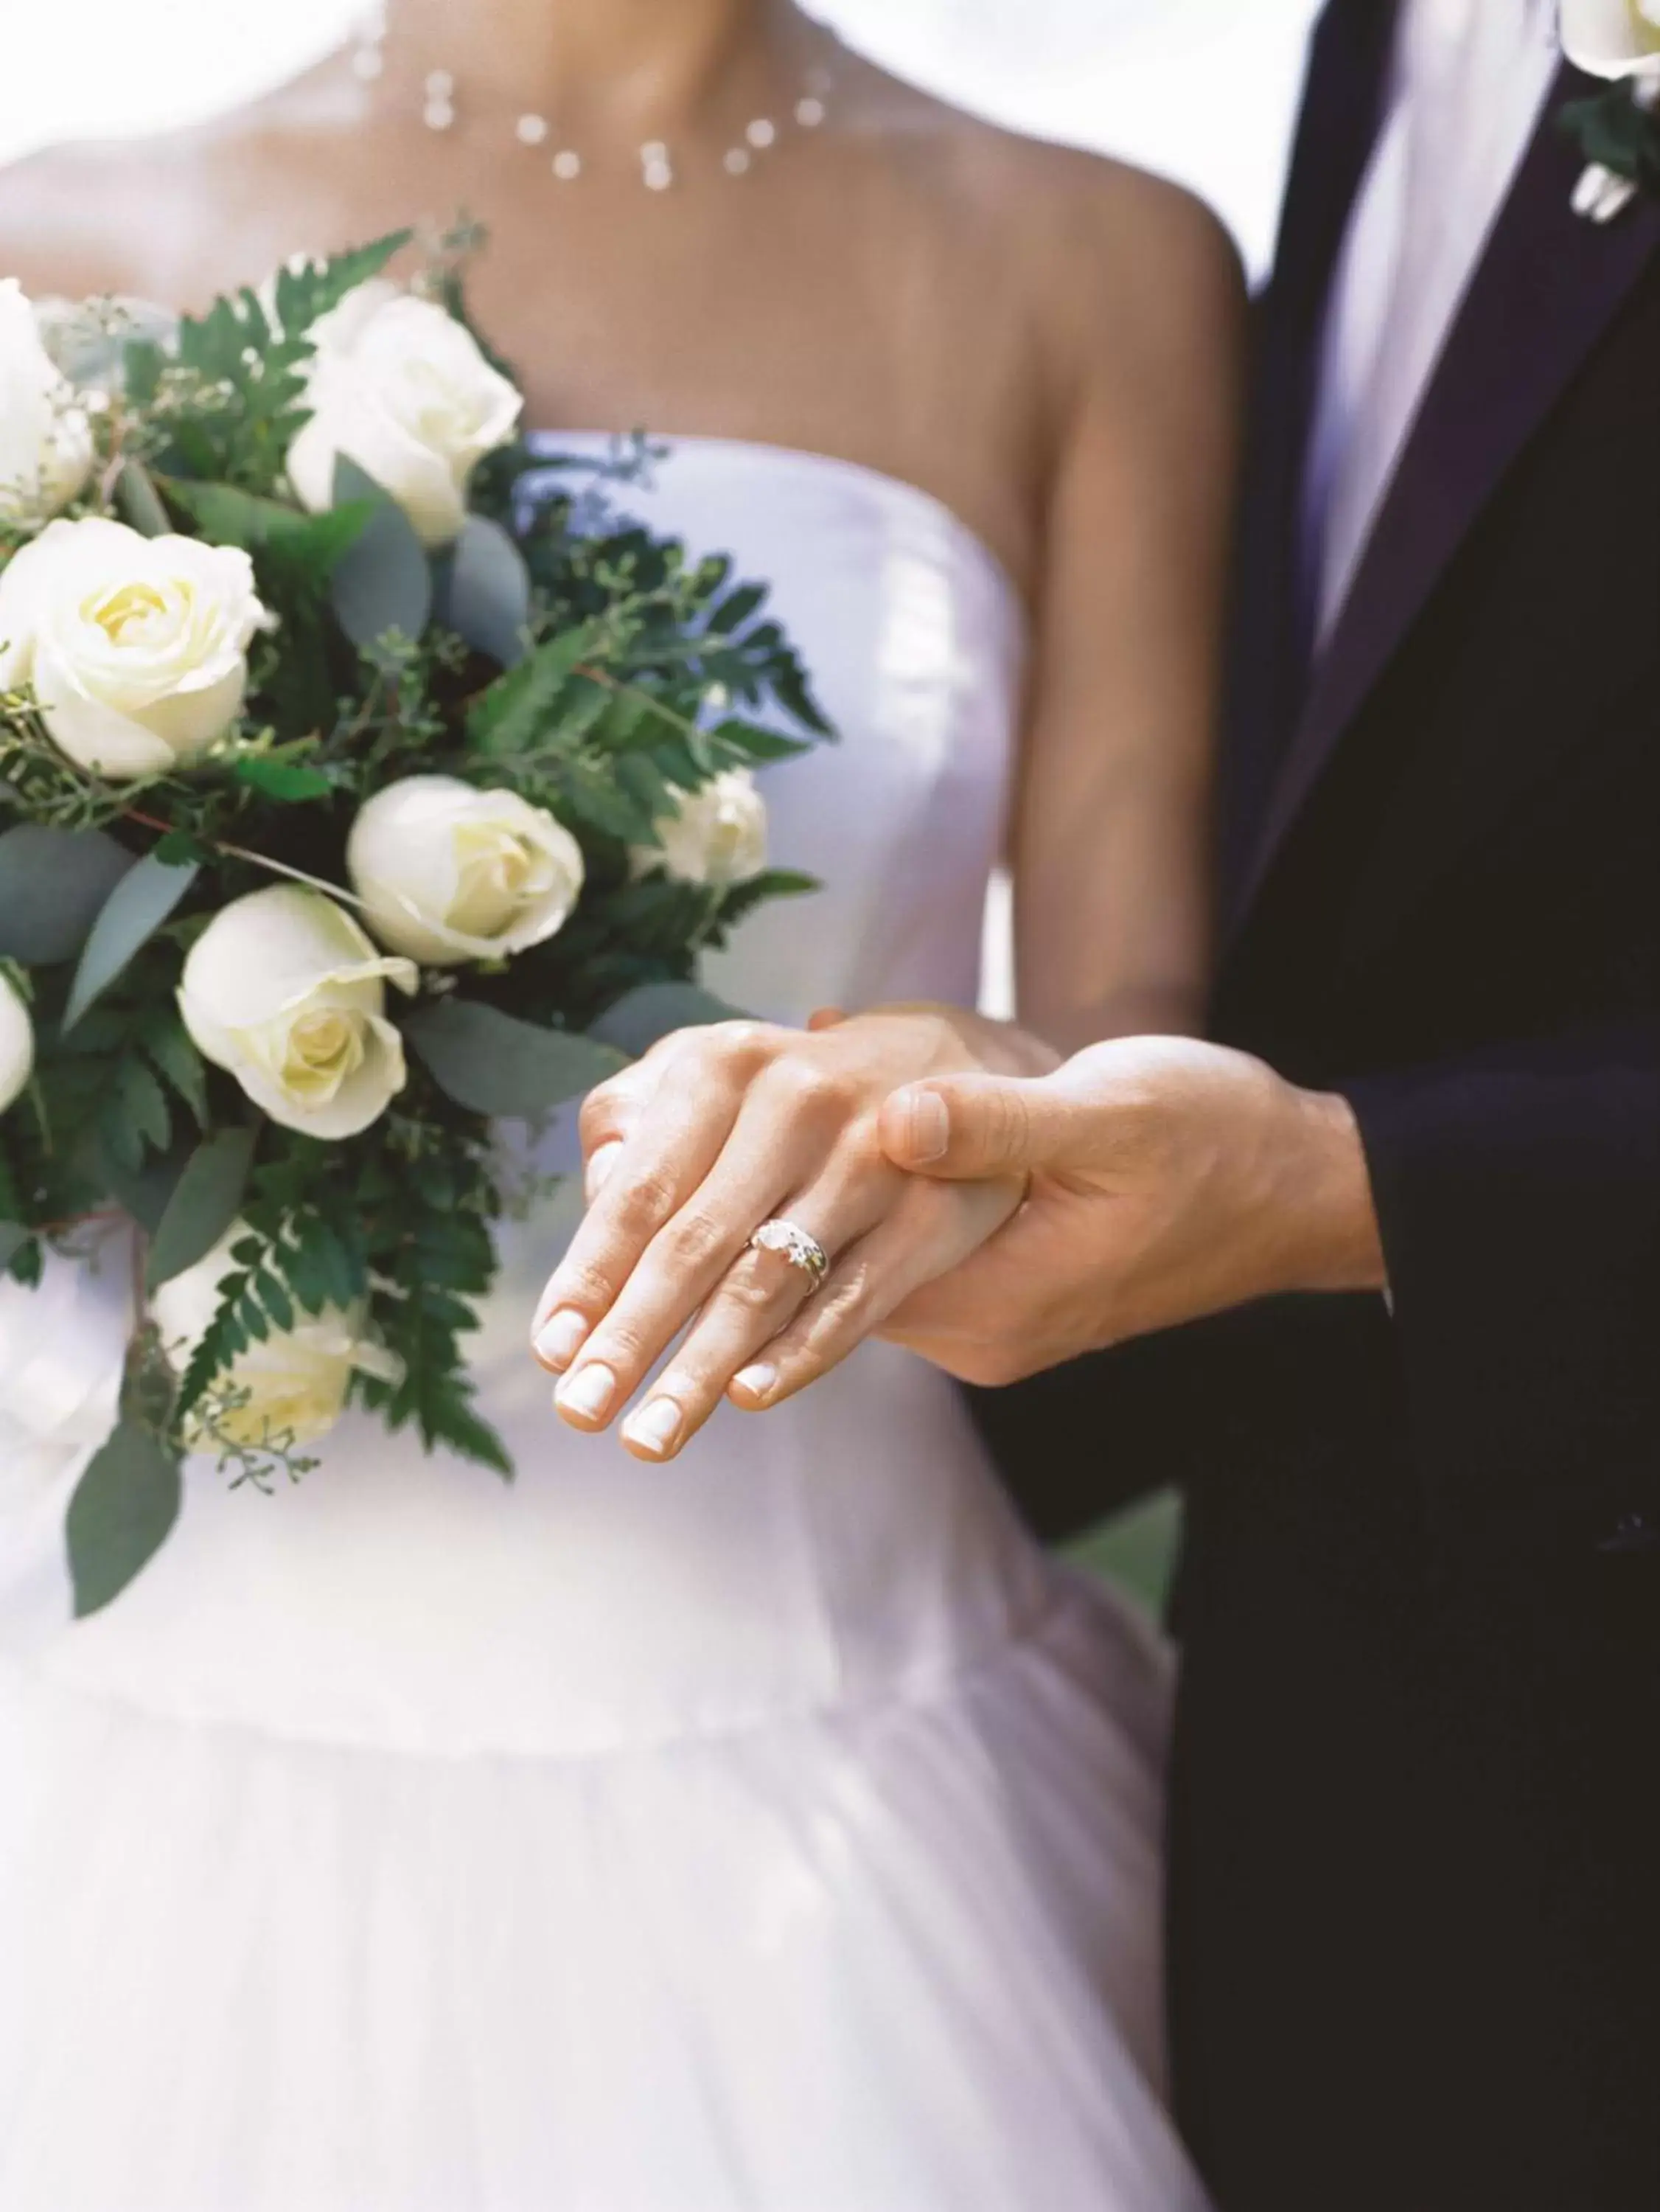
x: 350, y: 799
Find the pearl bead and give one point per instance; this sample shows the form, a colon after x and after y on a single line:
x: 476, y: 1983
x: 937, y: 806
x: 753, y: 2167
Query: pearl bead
x: 439, y: 112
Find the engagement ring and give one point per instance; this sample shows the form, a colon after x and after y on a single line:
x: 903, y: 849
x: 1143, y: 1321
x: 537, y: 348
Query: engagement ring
x: 797, y: 1245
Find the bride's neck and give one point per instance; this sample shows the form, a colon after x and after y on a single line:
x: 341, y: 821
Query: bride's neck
x: 640, y: 63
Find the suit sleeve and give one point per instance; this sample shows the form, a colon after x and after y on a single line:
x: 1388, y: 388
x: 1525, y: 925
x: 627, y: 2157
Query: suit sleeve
x: 1518, y: 1196
x: 1089, y: 1438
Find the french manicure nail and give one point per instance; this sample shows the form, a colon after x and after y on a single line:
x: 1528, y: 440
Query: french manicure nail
x: 930, y: 1126
x: 756, y: 1382
x: 588, y: 1392
x: 561, y: 1337
x: 656, y: 1425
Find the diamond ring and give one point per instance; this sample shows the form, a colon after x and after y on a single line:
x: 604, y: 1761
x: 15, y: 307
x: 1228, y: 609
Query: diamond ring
x: 796, y: 1244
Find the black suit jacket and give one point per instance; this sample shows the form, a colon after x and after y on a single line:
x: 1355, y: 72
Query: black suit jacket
x: 1414, y: 1852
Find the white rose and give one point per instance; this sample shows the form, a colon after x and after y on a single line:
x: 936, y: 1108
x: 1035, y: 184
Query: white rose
x: 400, y: 387
x: 16, y: 1044
x: 283, y: 990
x: 447, y: 873
x: 45, y: 439
x: 1613, y: 38
x: 717, y: 835
x: 136, y: 648
x: 289, y: 1389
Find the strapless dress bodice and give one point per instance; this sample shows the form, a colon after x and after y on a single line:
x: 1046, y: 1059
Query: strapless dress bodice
x: 773, y: 1829
x: 849, y: 1547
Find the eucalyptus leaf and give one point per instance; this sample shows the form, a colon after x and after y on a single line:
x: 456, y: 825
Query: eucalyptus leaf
x: 206, y: 1201
x: 229, y: 515
x: 308, y: 544
x: 129, y: 917
x: 494, y: 1064
x: 13, y: 1238
x: 53, y: 884
x: 635, y: 1022
x: 383, y: 581
x: 123, y: 1510
x: 140, y: 502
x: 290, y: 781
x: 485, y: 591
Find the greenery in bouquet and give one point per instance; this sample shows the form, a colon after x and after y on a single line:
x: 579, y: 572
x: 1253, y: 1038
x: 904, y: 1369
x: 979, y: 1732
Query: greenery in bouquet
x: 355, y: 792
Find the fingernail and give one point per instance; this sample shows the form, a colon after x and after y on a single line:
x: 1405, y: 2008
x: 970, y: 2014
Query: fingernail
x: 930, y: 1126
x: 588, y: 1392
x: 656, y: 1425
x: 757, y: 1382
x: 599, y: 1167
x: 561, y: 1337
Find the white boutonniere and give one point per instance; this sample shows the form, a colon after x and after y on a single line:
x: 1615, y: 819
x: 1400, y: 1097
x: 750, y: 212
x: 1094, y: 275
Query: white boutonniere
x: 1617, y: 131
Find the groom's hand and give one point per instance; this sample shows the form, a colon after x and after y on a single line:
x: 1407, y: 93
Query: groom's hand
x: 1167, y: 1180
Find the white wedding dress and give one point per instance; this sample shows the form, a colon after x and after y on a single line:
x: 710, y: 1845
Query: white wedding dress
x: 774, y: 1832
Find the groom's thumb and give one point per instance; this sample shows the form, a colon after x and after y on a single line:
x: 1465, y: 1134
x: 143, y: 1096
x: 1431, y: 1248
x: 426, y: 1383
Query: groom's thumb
x: 975, y: 1125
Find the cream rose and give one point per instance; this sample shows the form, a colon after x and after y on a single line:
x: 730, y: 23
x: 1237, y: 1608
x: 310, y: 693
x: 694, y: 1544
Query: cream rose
x: 283, y: 990
x: 16, y: 1044
x: 447, y: 873
x: 400, y: 387
x: 45, y: 439
x: 1613, y: 38
x: 717, y: 835
x: 136, y: 648
x: 291, y: 1389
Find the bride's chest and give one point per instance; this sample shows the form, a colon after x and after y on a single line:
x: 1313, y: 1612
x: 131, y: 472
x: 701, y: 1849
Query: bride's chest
x: 912, y: 639
x: 837, y: 356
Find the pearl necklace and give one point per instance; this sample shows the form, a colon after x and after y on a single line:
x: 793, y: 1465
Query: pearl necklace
x: 439, y: 111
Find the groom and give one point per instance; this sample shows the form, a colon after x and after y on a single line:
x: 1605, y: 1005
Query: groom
x: 1415, y: 1860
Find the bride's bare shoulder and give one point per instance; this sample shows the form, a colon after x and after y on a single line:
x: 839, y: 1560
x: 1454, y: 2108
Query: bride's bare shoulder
x: 1080, y: 236
x: 156, y: 217
x: 95, y: 217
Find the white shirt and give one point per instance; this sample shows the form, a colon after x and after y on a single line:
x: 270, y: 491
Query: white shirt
x: 1466, y: 83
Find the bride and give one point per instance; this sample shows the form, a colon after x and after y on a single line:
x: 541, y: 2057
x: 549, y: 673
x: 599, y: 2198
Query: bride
x: 776, y: 1829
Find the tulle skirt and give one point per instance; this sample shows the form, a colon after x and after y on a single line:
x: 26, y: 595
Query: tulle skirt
x: 901, y: 1959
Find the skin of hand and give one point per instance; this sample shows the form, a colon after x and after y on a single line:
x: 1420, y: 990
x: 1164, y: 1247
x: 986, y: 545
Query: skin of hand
x: 1165, y: 1180
x: 715, y: 1130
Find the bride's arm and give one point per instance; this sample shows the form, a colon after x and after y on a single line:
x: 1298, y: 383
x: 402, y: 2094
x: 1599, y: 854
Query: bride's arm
x: 718, y: 1130
x: 1112, y: 831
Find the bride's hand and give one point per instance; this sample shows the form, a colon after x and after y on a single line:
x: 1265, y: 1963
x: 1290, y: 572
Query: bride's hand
x: 713, y: 1133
